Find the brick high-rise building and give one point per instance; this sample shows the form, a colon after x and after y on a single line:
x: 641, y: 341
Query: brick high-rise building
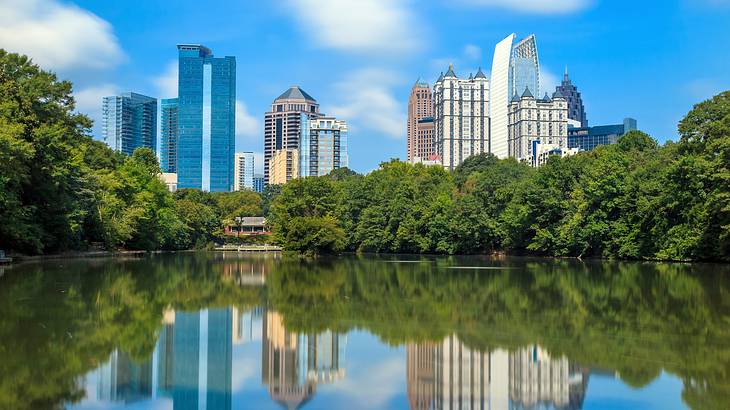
x: 420, y: 106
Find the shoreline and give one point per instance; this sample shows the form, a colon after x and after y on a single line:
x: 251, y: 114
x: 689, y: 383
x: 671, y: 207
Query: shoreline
x: 17, y: 259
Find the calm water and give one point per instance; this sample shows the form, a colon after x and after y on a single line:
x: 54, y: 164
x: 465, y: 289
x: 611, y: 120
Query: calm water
x: 228, y: 331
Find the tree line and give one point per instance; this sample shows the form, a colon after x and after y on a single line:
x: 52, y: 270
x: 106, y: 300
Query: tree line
x: 634, y: 199
x: 61, y: 190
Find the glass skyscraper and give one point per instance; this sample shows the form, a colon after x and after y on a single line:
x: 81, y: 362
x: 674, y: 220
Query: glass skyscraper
x: 588, y: 138
x: 206, y: 119
x: 515, y: 67
x: 169, y: 130
x: 129, y: 121
x: 322, y: 145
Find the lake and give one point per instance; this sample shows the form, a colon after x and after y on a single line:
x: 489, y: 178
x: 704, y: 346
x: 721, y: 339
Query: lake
x: 265, y: 331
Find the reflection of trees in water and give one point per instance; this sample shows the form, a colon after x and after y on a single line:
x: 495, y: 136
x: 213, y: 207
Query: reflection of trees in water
x: 635, y: 319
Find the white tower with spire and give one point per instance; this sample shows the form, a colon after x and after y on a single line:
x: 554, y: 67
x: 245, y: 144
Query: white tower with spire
x: 461, y: 117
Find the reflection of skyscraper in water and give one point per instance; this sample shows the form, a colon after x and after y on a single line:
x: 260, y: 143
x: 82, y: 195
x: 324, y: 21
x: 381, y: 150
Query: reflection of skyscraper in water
x: 122, y: 379
x: 538, y: 380
x: 420, y: 374
x: 247, y: 325
x: 450, y: 375
x: 202, y: 365
x: 293, y: 364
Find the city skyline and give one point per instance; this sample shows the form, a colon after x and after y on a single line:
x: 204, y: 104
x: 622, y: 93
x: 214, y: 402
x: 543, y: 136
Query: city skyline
x: 616, y: 71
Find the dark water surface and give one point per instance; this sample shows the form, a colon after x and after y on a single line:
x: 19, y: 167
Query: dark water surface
x: 230, y: 331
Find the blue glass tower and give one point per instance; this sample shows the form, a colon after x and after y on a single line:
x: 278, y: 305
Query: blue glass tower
x: 169, y: 130
x: 129, y: 122
x: 206, y: 119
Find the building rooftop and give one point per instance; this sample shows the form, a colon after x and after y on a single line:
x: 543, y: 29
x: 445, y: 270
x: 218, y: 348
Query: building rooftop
x: 295, y: 93
x: 203, y: 50
x: 527, y: 93
x: 451, y: 72
x: 480, y: 74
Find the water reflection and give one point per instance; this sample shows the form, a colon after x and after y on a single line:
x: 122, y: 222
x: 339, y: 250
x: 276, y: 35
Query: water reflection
x: 192, y: 365
x: 219, y: 331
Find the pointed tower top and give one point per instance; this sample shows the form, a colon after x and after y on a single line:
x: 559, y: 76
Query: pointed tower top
x: 480, y: 74
x: 450, y: 73
x: 441, y: 77
x: 527, y: 93
x: 565, y: 76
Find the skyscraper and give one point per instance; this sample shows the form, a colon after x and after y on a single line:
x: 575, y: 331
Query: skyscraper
x: 129, y: 121
x: 514, y: 68
x: 576, y: 110
x: 420, y: 106
x: 461, y: 117
x: 322, y: 146
x: 206, y: 119
x: 203, y: 345
x: 282, y: 124
x: 243, y: 171
x: 169, y: 130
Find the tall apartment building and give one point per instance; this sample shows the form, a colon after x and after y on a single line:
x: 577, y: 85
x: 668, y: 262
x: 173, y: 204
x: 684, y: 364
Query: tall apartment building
x: 514, y: 68
x: 536, y: 121
x: 576, y: 110
x: 206, y: 119
x: 168, y: 131
x: 322, y: 146
x: 420, y: 106
x: 282, y: 125
x: 283, y: 166
x: 129, y: 121
x: 243, y: 171
x: 461, y: 117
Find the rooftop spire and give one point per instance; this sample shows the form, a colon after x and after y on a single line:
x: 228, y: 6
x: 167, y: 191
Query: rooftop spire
x: 565, y: 76
x: 451, y: 72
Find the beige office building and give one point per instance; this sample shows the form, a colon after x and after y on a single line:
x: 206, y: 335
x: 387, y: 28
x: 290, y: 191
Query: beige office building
x: 283, y: 166
x: 420, y: 136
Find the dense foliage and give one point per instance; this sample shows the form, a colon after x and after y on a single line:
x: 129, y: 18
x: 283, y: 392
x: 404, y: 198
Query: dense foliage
x: 634, y: 200
x: 60, y: 190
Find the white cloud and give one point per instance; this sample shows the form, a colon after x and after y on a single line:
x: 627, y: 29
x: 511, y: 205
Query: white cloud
x: 548, y: 82
x: 359, y: 25
x: 368, y: 102
x: 247, y: 125
x: 536, y: 6
x: 472, y: 51
x: 385, y: 379
x: 166, y: 82
x: 88, y: 100
x: 58, y: 36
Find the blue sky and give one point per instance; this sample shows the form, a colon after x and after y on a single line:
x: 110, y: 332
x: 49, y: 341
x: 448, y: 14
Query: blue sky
x: 651, y: 60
